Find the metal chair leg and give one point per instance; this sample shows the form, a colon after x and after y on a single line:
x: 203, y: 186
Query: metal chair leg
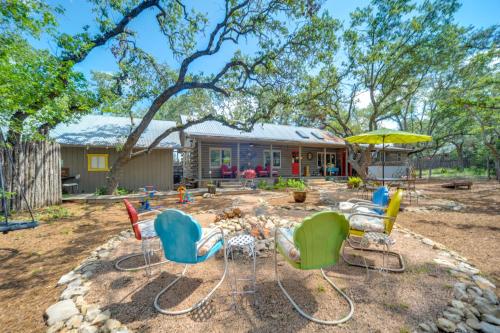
x: 304, y: 314
x: 197, y: 304
x: 400, y: 269
x: 147, y: 259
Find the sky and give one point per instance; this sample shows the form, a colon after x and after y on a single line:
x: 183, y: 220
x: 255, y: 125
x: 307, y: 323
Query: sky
x: 478, y: 13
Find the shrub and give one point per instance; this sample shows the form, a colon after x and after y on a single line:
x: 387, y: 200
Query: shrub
x: 52, y: 213
x: 354, y: 182
x: 281, y: 184
x: 444, y: 171
x: 100, y: 190
x: 122, y: 191
x: 263, y: 185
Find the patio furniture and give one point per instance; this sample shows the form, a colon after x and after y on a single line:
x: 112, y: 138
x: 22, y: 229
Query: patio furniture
x: 364, y: 221
x: 456, y: 184
x: 260, y: 171
x: 379, y: 202
x: 225, y: 171
x: 249, y: 176
x: 234, y: 171
x: 73, y: 185
x: 185, y: 242
x: 246, y: 244
x: 144, y: 232
x: 378, y: 238
x: 314, y: 244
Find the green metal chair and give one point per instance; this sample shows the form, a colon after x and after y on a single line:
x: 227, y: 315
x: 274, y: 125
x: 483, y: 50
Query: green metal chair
x: 314, y: 244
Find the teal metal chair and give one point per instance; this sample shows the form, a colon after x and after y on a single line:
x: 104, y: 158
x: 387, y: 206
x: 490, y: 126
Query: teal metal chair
x: 185, y: 242
x: 314, y: 244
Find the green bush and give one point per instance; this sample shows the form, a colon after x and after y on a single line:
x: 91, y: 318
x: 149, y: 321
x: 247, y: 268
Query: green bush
x: 354, y: 182
x: 122, y: 191
x: 100, y: 190
x: 263, y: 185
x: 444, y: 171
x: 281, y: 184
x: 52, y: 213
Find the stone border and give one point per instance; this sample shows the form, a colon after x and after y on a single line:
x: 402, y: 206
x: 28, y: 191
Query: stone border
x: 475, y: 306
x: 71, y: 313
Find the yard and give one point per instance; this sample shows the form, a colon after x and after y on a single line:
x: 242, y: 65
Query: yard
x: 32, y: 261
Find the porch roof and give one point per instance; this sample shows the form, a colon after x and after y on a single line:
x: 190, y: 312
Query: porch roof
x: 265, y: 133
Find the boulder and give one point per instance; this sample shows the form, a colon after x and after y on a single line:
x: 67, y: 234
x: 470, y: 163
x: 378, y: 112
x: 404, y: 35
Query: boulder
x: 66, y: 278
x: 60, y: 311
x: 489, y: 328
x: 446, y: 325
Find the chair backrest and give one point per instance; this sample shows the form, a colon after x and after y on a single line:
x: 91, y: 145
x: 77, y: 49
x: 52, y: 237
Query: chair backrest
x: 381, y: 197
x: 258, y: 168
x: 319, y: 239
x: 234, y: 169
x: 224, y: 168
x: 393, y: 210
x: 77, y: 176
x: 178, y: 233
x: 134, y: 217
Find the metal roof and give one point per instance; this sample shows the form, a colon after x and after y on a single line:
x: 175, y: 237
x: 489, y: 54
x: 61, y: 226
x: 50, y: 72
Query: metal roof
x: 110, y: 131
x: 265, y: 132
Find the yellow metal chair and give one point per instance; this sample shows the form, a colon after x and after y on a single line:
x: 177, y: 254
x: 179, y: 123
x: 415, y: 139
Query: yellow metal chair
x: 362, y: 222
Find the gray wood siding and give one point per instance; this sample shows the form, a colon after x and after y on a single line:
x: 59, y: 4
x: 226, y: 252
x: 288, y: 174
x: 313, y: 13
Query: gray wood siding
x: 150, y: 169
x: 252, y: 155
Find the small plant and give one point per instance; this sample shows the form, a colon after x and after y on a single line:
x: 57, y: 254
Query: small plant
x: 52, y: 213
x: 122, y: 191
x: 263, y: 185
x: 296, y: 184
x: 320, y: 289
x: 281, y: 184
x: 444, y: 171
x: 100, y: 190
x: 354, y: 182
x: 7, y: 195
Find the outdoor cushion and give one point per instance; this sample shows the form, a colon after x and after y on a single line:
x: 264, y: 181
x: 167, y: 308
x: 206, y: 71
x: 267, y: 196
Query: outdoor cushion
x: 345, y: 205
x: 285, y: 241
x: 147, y: 228
x: 205, y: 248
x: 366, y: 223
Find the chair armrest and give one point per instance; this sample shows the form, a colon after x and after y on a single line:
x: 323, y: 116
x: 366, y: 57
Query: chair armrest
x: 152, y: 211
x: 370, y: 215
x: 358, y: 200
x: 278, y: 231
x: 214, y: 232
x: 141, y: 222
x: 369, y: 205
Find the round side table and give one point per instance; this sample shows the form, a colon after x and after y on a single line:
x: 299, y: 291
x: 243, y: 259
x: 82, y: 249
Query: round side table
x: 246, y: 244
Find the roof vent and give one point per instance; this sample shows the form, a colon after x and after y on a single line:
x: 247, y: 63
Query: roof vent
x: 302, y: 134
x: 317, y: 135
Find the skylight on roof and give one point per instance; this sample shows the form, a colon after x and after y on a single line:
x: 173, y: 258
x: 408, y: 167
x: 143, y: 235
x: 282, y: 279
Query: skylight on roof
x: 317, y: 135
x: 302, y: 134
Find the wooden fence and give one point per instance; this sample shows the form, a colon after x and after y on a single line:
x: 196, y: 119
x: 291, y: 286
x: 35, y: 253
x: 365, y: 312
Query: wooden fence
x: 35, y: 171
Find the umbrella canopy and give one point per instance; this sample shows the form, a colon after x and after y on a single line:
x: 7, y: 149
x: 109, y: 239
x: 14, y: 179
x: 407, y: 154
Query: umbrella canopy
x: 383, y: 136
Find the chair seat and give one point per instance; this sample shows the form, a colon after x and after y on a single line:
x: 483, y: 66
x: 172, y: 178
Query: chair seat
x: 285, y: 242
x: 366, y: 223
x: 147, y: 228
x: 206, y: 247
x: 69, y: 184
x: 345, y: 205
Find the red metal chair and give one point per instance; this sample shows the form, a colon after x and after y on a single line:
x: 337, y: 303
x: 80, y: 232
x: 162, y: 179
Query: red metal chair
x: 225, y: 171
x: 144, y: 231
x: 234, y: 171
x: 260, y: 171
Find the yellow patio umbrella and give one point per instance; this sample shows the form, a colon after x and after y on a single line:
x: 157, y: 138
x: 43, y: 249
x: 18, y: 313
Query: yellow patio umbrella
x: 383, y: 136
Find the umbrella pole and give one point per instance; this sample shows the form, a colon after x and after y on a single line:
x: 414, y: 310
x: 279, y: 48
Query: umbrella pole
x: 383, y: 161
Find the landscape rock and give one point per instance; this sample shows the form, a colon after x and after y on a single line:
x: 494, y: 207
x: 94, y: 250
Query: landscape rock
x: 463, y: 328
x: 489, y: 328
x: 60, y: 311
x: 482, y: 282
x: 452, y: 317
x: 87, y: 328
x: 491, y: 319
x: 490, y: 296
x: 101, y: 317
x: 74, y: 322
x: 74, y: 291
x: 92, y: 314
x: 473, y: 323
x: 66, y: 278
x: 483, y: 306
x: 446, y: 325
x: 56, y: 327
x: 110, y: 325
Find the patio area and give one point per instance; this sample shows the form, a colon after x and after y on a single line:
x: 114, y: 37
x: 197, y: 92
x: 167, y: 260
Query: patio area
x: 113, y: 300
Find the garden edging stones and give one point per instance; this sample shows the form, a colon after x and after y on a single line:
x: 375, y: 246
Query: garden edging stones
x: 72, y: 313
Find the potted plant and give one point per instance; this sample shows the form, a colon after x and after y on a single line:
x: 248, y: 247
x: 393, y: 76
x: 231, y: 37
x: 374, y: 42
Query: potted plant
x: 298, y: 189
x: 211, y: 187
x: 354, y: 182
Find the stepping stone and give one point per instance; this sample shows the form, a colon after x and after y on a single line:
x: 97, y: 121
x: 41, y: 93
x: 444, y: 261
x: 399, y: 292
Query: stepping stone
x: 60, y: 311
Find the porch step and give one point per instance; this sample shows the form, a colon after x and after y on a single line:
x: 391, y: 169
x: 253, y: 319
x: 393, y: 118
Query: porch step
x: 317, y: 182
x: 230, y: 184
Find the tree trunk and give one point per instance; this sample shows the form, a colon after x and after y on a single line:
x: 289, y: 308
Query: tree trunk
x: 361, y: 163
x: 497, y: 169
x: 460, y: 155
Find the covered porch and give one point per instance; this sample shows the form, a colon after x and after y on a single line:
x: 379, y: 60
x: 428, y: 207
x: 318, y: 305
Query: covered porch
x: 219, y: 160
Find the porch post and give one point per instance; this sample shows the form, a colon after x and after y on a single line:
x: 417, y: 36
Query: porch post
x: 324, y: 161
x: 346, y: 152
x: 238, y: 160
x: 300, y: 161
x: 271, y: 161
x: 199, y: 163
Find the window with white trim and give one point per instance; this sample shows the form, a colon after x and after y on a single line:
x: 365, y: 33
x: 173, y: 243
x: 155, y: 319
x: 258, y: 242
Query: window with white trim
x: 276, y: 158
x: 219, y: 156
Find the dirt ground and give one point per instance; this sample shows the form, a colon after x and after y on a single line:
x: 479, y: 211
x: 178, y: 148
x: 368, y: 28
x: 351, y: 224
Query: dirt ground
x: 31, y: 262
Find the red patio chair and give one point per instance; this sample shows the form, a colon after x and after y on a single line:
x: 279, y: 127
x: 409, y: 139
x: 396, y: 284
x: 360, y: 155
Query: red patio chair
x: 225, y: 171
x: 234, y: 170
x: 261, y: 172
x: 144, y: 231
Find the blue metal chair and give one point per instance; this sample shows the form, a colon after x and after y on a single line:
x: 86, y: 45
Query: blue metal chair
x: 379, y: 202
x: 185, y: 242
